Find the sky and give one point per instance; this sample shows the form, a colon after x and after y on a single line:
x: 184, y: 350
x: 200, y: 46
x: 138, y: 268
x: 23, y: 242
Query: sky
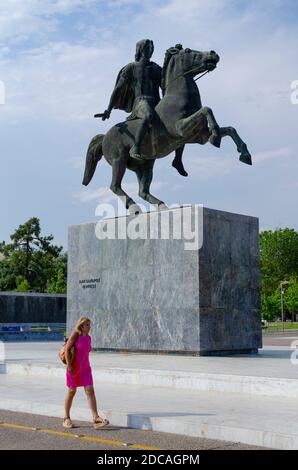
x: 58, y: 62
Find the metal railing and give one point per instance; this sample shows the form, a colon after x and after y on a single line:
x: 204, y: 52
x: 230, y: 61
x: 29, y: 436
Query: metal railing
x: 32, y: 328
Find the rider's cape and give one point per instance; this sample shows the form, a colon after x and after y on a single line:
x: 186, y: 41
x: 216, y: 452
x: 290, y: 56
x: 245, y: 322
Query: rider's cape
x: 125, y: 96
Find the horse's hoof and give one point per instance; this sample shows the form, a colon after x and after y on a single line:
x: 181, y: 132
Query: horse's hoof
x: 215, y: 139
x: 134, y: 209
x: 162, y: 206
x: 245, y: 157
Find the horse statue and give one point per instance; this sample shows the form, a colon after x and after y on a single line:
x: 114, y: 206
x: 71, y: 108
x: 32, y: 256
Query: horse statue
x: 179, y: 119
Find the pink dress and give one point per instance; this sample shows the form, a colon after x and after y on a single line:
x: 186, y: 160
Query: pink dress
x: 82, y: 375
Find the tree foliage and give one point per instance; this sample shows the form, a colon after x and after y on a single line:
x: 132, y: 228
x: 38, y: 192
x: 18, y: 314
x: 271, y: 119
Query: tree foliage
x: 31, y: 262
x: 279, y: 262
x: 271, y: 306
x: 291, y: 298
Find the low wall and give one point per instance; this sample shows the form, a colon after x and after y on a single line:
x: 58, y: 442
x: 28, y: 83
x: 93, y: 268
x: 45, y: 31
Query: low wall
x: 32, y: 308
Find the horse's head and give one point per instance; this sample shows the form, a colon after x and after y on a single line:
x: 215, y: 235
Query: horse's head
x: 181, y: 62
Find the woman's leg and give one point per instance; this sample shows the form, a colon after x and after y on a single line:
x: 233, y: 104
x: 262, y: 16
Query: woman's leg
x: 68, y: 401
x: 92, y: 400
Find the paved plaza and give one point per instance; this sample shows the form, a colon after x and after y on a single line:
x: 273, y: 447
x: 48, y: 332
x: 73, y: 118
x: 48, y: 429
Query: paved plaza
x: 248, y: 399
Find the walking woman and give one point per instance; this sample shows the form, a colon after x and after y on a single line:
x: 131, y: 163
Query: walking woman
x: 79, y: 373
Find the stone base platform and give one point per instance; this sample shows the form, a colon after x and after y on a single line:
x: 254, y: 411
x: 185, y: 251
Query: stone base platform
x: 176, y: 281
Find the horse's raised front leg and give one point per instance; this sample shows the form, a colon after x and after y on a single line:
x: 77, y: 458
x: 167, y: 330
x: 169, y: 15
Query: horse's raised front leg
x: 119, y: 168
x: 214, y: 129
x: 200, y: 127
x: 144, y: 173
x: 245, y: 156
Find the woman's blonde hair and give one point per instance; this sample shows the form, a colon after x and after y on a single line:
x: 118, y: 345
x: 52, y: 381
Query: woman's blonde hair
x: 80, y: 323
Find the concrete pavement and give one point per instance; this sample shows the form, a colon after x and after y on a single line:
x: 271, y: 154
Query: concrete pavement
x: 22, y: 431
x: 252, y: 399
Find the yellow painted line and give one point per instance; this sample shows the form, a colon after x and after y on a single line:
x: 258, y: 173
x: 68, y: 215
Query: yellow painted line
x: 139, y: 446
x: 57, y: 433
x: 17, y: 426
x: 82, y: 437
x: 119, y: 443
x: 105, y: 441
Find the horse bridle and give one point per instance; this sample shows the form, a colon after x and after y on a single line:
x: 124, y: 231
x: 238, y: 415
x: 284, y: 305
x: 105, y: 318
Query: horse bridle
x: 189, y: 71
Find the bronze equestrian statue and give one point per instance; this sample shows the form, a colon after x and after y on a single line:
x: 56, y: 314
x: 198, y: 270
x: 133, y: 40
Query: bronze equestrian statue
x: 137, y: 92
x: 179, y: 119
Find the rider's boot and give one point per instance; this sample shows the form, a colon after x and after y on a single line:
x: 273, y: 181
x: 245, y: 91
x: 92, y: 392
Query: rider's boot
x: 135, y: 149
x: 177, y: 162
x: 135, y: 152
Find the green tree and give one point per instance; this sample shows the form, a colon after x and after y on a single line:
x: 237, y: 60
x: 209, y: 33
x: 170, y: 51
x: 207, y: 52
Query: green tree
x: 271, y: 306
x: 30, y: 257
x: 22, y: 285
x: 58, y: 282
x: 278, y: 262
x: 279, y: 257
x: 291, y: 298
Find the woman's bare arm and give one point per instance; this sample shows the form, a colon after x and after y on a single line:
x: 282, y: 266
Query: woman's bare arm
x: 71, y: 341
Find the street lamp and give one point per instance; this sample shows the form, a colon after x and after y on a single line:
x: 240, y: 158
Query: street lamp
x: 282, y: 292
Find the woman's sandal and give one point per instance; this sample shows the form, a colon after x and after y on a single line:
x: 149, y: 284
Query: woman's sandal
x: 100, y: 422
x: 67, y: 423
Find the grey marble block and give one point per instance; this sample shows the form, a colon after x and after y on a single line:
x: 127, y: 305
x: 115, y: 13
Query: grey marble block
x: 153, y: 295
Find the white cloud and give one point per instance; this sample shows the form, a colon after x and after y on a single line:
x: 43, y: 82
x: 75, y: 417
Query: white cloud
x: 209, y: 166
x: 77, y: 163
x: 289, y: 185
x: 190, y: 10
x: 66, y: 77
x: 282, y: 152
x: 65, y: 72
x: 121, y: 3
x: 22, y: 18
x: 61, y: 80
x: 105, y: 195
x: 212, y: 165
x: 102, y: 194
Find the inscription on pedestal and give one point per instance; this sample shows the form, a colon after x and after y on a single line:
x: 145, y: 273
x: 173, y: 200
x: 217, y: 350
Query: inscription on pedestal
x: 89, y: 283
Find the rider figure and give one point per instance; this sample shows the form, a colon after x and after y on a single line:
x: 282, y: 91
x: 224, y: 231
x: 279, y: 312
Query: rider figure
x: 137, y: 92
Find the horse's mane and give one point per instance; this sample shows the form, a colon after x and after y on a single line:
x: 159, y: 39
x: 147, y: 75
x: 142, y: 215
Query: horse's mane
x: 168, y: 55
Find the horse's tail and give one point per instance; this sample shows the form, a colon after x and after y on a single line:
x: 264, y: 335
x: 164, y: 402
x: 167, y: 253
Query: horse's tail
x: 94, y: 154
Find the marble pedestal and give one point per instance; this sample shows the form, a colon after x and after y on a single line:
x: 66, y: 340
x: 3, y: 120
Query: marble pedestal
x: 154, y: 295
